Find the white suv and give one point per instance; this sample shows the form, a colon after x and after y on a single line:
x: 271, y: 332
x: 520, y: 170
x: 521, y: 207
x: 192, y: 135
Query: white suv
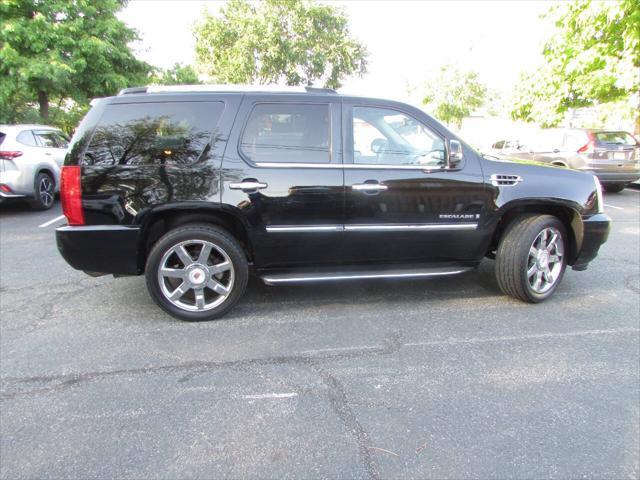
x: 30, y: 161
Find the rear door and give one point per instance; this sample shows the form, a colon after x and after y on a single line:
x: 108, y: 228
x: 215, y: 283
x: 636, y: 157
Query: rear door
x: 401, y: 203
x: 283, y: 171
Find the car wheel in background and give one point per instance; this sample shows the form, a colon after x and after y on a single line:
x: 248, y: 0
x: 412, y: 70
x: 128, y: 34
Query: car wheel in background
x: 614, y: 187
x: 197, y: 272
x: 44, y: 192
x: 530, y: 260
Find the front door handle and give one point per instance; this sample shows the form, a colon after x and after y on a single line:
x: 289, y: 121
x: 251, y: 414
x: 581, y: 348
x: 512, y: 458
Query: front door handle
x: 372, y: 187
x: 247, y: 185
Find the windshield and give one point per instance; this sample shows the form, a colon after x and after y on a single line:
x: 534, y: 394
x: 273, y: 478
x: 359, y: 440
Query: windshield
x: 615, y: 138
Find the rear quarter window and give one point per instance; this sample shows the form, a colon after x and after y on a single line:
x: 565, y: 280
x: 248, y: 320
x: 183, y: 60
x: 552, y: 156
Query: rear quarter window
x: 26, y: 138
x: 176, y: 133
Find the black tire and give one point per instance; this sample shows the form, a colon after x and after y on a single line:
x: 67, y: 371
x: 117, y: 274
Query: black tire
x: 513, y: 256
x: 44, y: 192
x: 614, y: 187
x: 224, y: 244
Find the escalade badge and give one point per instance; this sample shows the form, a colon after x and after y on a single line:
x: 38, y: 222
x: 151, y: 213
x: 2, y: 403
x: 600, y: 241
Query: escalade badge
x: 459, y: 216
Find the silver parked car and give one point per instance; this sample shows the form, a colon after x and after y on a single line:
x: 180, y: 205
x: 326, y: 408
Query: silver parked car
x: 30, y: 161
x: 612, y: 156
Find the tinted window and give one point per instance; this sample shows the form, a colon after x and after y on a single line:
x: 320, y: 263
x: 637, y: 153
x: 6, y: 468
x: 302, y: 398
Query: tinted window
x: 388, y: 137
x: 50, y: 139
x: 153, y: 133
x: 287, y: 133
x: 2, y: 136
x: 26, y: 138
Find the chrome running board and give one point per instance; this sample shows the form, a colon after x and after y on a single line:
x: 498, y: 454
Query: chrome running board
x: 277, y: 278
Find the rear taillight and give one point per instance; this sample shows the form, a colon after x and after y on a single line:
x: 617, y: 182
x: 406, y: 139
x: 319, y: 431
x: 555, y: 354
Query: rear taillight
x: 71, y: 195
x: 9, y: 155
x: 5, y: 188
x: 590, y: 146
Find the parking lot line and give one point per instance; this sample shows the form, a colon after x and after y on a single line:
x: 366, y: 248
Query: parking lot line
x: 51, y: 222
x: 613, y: 206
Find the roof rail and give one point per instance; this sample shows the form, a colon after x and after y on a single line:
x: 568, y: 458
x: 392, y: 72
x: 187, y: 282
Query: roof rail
x: 128, y: 91
x: 319, y: 90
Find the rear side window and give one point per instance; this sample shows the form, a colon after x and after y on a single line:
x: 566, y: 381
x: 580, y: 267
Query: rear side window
x: 287, y: 133
x: 26, y: 138
x: 2, y: 137
x: 178, y: 133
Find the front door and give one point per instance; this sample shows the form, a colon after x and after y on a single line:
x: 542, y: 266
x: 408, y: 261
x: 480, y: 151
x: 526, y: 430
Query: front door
x: 286, y: 179
x: 401, y: 203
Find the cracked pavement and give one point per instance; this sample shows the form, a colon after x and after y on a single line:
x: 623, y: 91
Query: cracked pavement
x: 443, y: 378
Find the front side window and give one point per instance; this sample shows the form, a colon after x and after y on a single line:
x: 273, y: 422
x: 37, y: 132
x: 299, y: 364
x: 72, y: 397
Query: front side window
x: 173, y: 133
x: 389, y: 137
x: 287, y: 133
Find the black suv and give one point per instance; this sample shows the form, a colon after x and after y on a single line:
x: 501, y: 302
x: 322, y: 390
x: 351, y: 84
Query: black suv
x: 196, y: 186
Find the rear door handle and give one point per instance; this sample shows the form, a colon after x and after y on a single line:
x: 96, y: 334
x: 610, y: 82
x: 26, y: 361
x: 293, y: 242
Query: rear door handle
x: 372, y: 187
x: 247, y: 185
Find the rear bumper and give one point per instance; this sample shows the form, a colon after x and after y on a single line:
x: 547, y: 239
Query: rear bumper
x: 595, y: 233
x: 100, y: 249
x: 617, y: 177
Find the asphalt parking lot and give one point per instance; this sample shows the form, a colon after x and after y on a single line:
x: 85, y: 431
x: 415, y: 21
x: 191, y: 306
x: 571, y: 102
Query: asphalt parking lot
x: 443, y: 378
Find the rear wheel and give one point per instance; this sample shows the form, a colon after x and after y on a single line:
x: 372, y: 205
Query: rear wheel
x: 614, y: 187
x: 530, y: 259
x: 196, y: 272
x: 44, y: 192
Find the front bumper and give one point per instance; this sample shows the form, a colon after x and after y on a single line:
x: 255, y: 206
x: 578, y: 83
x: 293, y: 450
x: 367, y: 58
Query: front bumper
x: 100, y: 248
x: 595, y: 231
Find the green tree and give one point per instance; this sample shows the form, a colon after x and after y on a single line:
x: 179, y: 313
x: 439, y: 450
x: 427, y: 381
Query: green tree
x: 63, y: 51
x: 593, y: 58
x: 177, y: 75
x: 453, y: 94
x: 292, y: 41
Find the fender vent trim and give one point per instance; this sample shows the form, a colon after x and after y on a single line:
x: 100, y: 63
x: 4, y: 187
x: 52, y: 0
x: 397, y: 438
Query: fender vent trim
x: 500, y: 180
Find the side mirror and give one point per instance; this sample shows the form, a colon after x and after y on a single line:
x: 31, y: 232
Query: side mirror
x: 455, y: 153
x: 378, y: 145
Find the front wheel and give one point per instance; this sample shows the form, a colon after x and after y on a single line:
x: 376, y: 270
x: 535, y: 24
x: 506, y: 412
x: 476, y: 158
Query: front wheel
x: 196, y: 272
x: 531, y: 260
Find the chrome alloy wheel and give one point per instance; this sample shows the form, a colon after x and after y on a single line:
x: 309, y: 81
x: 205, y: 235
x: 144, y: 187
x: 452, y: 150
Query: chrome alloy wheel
x: 544, y: 263
x: 45, y: 190
x: 196, y: 275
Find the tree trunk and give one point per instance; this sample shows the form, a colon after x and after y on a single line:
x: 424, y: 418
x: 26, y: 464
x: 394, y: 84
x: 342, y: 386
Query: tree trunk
x: 43, y: 101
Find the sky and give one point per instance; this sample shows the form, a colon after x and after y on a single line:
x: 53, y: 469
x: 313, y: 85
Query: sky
x: 406, y: 40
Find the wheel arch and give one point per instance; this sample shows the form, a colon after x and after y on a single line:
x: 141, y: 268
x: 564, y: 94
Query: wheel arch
x: 569, y: 217
x: 168, y: 217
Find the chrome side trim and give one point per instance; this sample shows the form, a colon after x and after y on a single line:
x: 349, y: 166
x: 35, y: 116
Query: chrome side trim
x: 346, y: 166
x: 428, y: 226
x: 313, y: 228
x: 95, y: 228
x: 372, y: 228
x: 11, y: 195
x: 272, y: 280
